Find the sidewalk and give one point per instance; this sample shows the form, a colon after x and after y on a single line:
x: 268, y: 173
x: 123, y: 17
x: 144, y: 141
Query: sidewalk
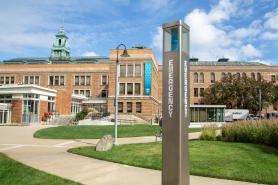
x: 52, y: 156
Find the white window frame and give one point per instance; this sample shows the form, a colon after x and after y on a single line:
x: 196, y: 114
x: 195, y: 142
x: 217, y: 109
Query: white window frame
x: 106, y: 79
x: 34, y: 79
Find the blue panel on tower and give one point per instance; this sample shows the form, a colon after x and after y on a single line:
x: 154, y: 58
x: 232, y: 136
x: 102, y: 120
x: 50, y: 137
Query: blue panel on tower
x: 148, y: 78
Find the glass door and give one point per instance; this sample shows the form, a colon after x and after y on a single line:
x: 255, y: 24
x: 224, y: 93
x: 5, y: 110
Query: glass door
x: 30, y: 111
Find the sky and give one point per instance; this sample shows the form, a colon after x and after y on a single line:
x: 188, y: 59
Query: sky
x: 245, y: 30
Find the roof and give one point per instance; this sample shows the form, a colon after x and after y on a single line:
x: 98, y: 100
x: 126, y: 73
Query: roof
x: 229, y: 63
x: 46, y: 60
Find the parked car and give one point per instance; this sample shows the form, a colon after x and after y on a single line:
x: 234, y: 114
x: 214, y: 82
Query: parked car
x: 252, y: 117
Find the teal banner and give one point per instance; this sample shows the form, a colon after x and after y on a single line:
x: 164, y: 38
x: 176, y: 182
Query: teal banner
x: 148, y: 78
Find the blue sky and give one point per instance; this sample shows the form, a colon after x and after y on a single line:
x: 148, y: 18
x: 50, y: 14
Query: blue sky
x: 237, y: 29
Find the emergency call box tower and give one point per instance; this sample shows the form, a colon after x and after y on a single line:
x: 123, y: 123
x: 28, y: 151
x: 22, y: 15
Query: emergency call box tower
x: 175, y: 104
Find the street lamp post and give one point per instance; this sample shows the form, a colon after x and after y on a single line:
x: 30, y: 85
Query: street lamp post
x: 125, y: 54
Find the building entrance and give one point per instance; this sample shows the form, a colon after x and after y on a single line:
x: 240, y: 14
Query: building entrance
x: 30, y: 109
x: 5, y: 113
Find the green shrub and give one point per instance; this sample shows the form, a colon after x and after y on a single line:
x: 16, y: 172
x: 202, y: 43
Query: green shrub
x: 260, y: 132
x: 209, y: 132
x: 81, y: 115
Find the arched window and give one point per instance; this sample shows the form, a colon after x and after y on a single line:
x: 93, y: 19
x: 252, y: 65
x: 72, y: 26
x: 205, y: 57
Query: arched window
x: 229, y: 75
x: 238, y: 75
x: 253, y: 76
x: 202, y: 78
x: 259, y: 76
x: 244, y: 75
x: 212, y: 77
x: 223, y: 76
x: 196, y: 78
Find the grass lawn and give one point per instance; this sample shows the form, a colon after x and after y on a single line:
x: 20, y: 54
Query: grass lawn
x: 96, y: 132
x: 15, y: 173
x: 237, y: 161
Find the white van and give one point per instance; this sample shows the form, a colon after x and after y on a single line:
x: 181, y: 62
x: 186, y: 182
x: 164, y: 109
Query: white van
x: 236, y: 114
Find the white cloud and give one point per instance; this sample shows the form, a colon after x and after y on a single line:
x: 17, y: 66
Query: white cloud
x: 250, y: 51
x: 270, y: 35
x: 89, y: 54
x: 212, y: 37
x: 272, y: 20
x: 157, y: 39
x: 271, y: 26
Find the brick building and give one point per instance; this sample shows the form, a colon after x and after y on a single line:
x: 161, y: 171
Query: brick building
x: 30, y: 87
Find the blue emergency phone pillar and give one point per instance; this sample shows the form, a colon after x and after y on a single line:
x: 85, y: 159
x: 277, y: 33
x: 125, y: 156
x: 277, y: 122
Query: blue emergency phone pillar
x: 175, y: 104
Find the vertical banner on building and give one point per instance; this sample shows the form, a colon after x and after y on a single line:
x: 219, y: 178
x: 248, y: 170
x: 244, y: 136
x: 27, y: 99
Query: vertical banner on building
x: 148, y: 78
x: 175, y: 104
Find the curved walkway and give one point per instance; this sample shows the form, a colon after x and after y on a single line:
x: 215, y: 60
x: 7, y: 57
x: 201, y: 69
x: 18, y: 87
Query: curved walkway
x: 51, y: 156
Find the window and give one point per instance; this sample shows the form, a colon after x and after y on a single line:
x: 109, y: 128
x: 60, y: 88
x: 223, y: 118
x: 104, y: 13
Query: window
x: 244, y: 75
x: 26, y: 80
x: 137, y: 89
x: 87, y: 93
x: 88, y: 80
x: 238, y: 75
x: 56, y: 80
x: 273, y: 78
x: 230, y: 75
x: 82, y: 80
x: 202, y: 78
x: 122, y: 89
x: 2, y: 80
x: 76, y: 80
x: 129, y: 107
x: 195, y: 92
x: 62, y: 81
x: 104, y: 80
x: 202, y: 92
x: 259, y: 76
x: 195, y: 77
x: 104, y: 93
x: 7, y: 80
x: 32, y: 80
x: 137, y: 70
x: 253, y: 76
x: 120, y: 107
x: 212, y: 77
x: 12, y: 80
x: 223, y: 76
x: 37, y: 80
x: 60, y: 42
x: 122, y: 70
x: 129, y: 89
x: 130, y: 70
x: 138, y: 107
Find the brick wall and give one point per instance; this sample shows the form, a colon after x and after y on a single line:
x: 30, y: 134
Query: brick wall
x: 43, y: 109
x: 16, y: 111
x: 63, y: 102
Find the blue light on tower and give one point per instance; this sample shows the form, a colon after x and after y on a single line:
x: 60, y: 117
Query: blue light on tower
x: 175, y: 39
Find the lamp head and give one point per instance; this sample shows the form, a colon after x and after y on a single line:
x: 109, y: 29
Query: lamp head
x: 125, y: 54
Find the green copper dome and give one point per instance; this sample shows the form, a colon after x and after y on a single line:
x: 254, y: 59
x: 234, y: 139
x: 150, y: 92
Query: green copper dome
x: 60, y: 49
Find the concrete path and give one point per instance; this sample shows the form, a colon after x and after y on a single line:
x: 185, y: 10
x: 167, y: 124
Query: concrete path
x: 51, y: 156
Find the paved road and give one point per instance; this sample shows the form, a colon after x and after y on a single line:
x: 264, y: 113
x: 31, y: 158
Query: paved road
x: 51, y: 156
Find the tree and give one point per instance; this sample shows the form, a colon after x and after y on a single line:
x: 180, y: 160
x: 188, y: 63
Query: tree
x: 240, y: 93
